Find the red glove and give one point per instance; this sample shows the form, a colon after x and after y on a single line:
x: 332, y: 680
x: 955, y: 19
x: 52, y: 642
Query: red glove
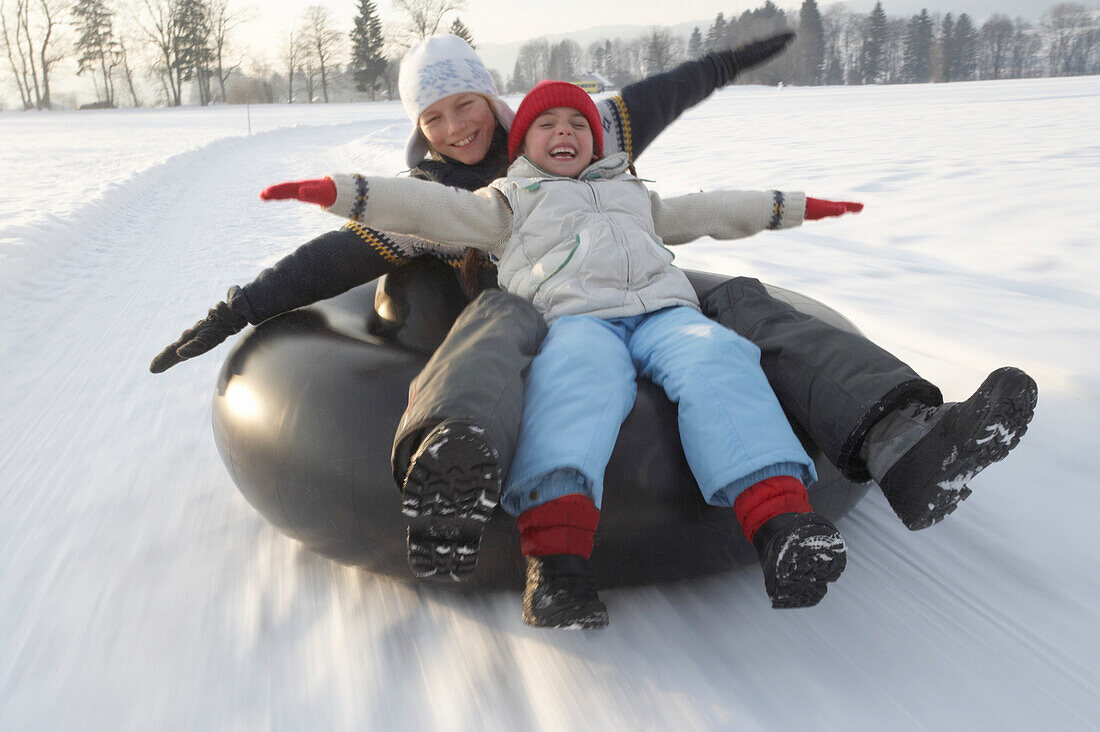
x: 819, y: 208
x: 321, y: 191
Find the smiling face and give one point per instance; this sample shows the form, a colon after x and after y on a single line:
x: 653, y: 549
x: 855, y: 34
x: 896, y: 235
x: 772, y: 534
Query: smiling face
x: 559, y: 141
x: 459, y: 126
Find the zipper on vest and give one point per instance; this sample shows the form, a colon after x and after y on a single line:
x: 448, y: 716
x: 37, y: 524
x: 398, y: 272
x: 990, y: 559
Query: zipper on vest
x: 618, y: 239
x: 577, y: 243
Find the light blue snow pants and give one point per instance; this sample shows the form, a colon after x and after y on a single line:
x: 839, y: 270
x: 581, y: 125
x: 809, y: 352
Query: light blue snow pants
x: 582, y: 386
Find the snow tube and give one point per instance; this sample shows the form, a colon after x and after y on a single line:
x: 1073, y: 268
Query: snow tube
x: 307, y: 404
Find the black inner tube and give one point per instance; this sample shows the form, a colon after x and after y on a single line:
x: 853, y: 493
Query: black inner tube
x: 307, y: 403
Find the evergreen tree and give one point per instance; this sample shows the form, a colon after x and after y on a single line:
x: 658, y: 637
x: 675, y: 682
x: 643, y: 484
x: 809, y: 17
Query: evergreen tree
x: 99, y: 51
x: 194, y: 56
x: 874, y: 48
x: 458, y: 28
x: 518, y: 84
x: 919, y: 37
x: 947, y: 47
x: 716, y: 36
x: 695, y: 44
x: 597, y: 58
x: 367, y: 62
x: 761, y: 22
x: 811, y: 40
x: 660, y: 51
x: 965, y: 49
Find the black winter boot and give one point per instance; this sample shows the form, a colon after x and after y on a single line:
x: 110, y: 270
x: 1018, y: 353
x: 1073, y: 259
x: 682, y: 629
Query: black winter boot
x: 450, y: 491
x: 800, y: 553
x: 561, y: 593
x: 924, y: 456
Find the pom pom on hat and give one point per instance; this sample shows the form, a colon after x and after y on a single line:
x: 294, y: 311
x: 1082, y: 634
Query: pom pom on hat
x: 434, y: 69
x: 547, y: 95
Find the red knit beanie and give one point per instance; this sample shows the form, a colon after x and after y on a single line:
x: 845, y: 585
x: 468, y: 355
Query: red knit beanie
x: 547, y: 95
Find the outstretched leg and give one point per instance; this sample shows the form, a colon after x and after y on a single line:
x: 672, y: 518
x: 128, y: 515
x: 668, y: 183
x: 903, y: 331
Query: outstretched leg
x: 870, y: 413
x: 833, y: 383
x: 923, y: 457
x: 457, y: 437
x: 742, y: 450
x: 580, y: 389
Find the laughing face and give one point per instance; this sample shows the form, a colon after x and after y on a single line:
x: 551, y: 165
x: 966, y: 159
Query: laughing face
x: 459, y: 126
x: 559, y: 141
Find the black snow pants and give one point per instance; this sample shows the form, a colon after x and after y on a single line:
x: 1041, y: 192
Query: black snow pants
x: 476, y: 374
x: 833, y: 383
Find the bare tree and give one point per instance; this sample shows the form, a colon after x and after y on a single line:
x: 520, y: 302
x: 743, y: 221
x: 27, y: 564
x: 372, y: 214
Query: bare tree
x: 223, y: 22
x: 322, y: 42
x: 1025, y: 49
x: 1071, y: 37
x: 32, y: 40
x: 425, y: 17
x: 158, y: 24
x: 127, y: 72
x: 844, y: 42
x: 565, y: 59
x: 291, y: 56
x: 994, y: 43
x: 532, y: 64
x: 628, y: 60
x: 16, y: 58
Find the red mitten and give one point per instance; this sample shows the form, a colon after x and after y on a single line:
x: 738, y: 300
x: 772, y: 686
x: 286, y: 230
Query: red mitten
x: 321, y: 191
x: 819, y: 208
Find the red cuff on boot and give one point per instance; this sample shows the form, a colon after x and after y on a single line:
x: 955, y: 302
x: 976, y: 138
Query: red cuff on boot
x: 565, y: 525
x: 771, y: 497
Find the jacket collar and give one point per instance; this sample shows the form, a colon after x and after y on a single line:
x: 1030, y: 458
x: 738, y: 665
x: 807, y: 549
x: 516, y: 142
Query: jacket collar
x: 607, y: 167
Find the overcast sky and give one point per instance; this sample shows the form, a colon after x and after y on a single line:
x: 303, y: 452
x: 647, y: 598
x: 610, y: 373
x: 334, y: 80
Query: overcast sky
x: 504, y: 21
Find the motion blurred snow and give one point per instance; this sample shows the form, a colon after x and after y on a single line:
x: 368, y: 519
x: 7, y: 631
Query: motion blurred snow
x: 141, y: 591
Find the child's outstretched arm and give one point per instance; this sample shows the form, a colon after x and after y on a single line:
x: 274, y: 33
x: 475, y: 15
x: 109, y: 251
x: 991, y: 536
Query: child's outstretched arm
x: 324, y: 267
x: 736, y: 214
x: 638, y: 113
x: 480, y: 219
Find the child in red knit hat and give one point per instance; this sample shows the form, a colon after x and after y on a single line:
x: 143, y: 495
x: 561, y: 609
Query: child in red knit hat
x: 584, y: 240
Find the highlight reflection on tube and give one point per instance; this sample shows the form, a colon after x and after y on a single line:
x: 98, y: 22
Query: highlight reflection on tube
x: 242, y: 400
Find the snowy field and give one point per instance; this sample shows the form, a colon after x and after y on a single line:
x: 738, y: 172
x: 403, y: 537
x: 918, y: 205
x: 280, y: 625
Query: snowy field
x: 139, y: 590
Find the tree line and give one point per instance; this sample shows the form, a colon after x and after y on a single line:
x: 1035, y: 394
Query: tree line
x: 842, y: 47
x: 172, y: 52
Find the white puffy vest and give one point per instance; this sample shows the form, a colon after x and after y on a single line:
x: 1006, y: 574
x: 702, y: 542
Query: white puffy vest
x: 587, y: 245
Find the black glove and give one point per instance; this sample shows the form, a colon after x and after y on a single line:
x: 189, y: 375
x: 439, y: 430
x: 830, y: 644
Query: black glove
x: 220, y: 323
x: 752, y: 54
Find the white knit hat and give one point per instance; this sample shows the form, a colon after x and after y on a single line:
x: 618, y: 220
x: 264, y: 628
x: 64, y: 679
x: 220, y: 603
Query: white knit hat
x: 436, y: 68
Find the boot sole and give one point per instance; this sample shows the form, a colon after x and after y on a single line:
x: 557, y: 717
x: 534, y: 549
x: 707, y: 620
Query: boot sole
x: 450, y: 492
x: 808, y: 561
x: 1012, y: 396
x: 590, y: 619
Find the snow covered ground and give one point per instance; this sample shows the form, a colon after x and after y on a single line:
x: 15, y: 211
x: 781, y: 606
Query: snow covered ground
x: 139, y: 590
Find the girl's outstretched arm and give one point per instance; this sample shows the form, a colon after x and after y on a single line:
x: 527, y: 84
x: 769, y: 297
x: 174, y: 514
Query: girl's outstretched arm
x: 735, y: 214
x: 480, y: 219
